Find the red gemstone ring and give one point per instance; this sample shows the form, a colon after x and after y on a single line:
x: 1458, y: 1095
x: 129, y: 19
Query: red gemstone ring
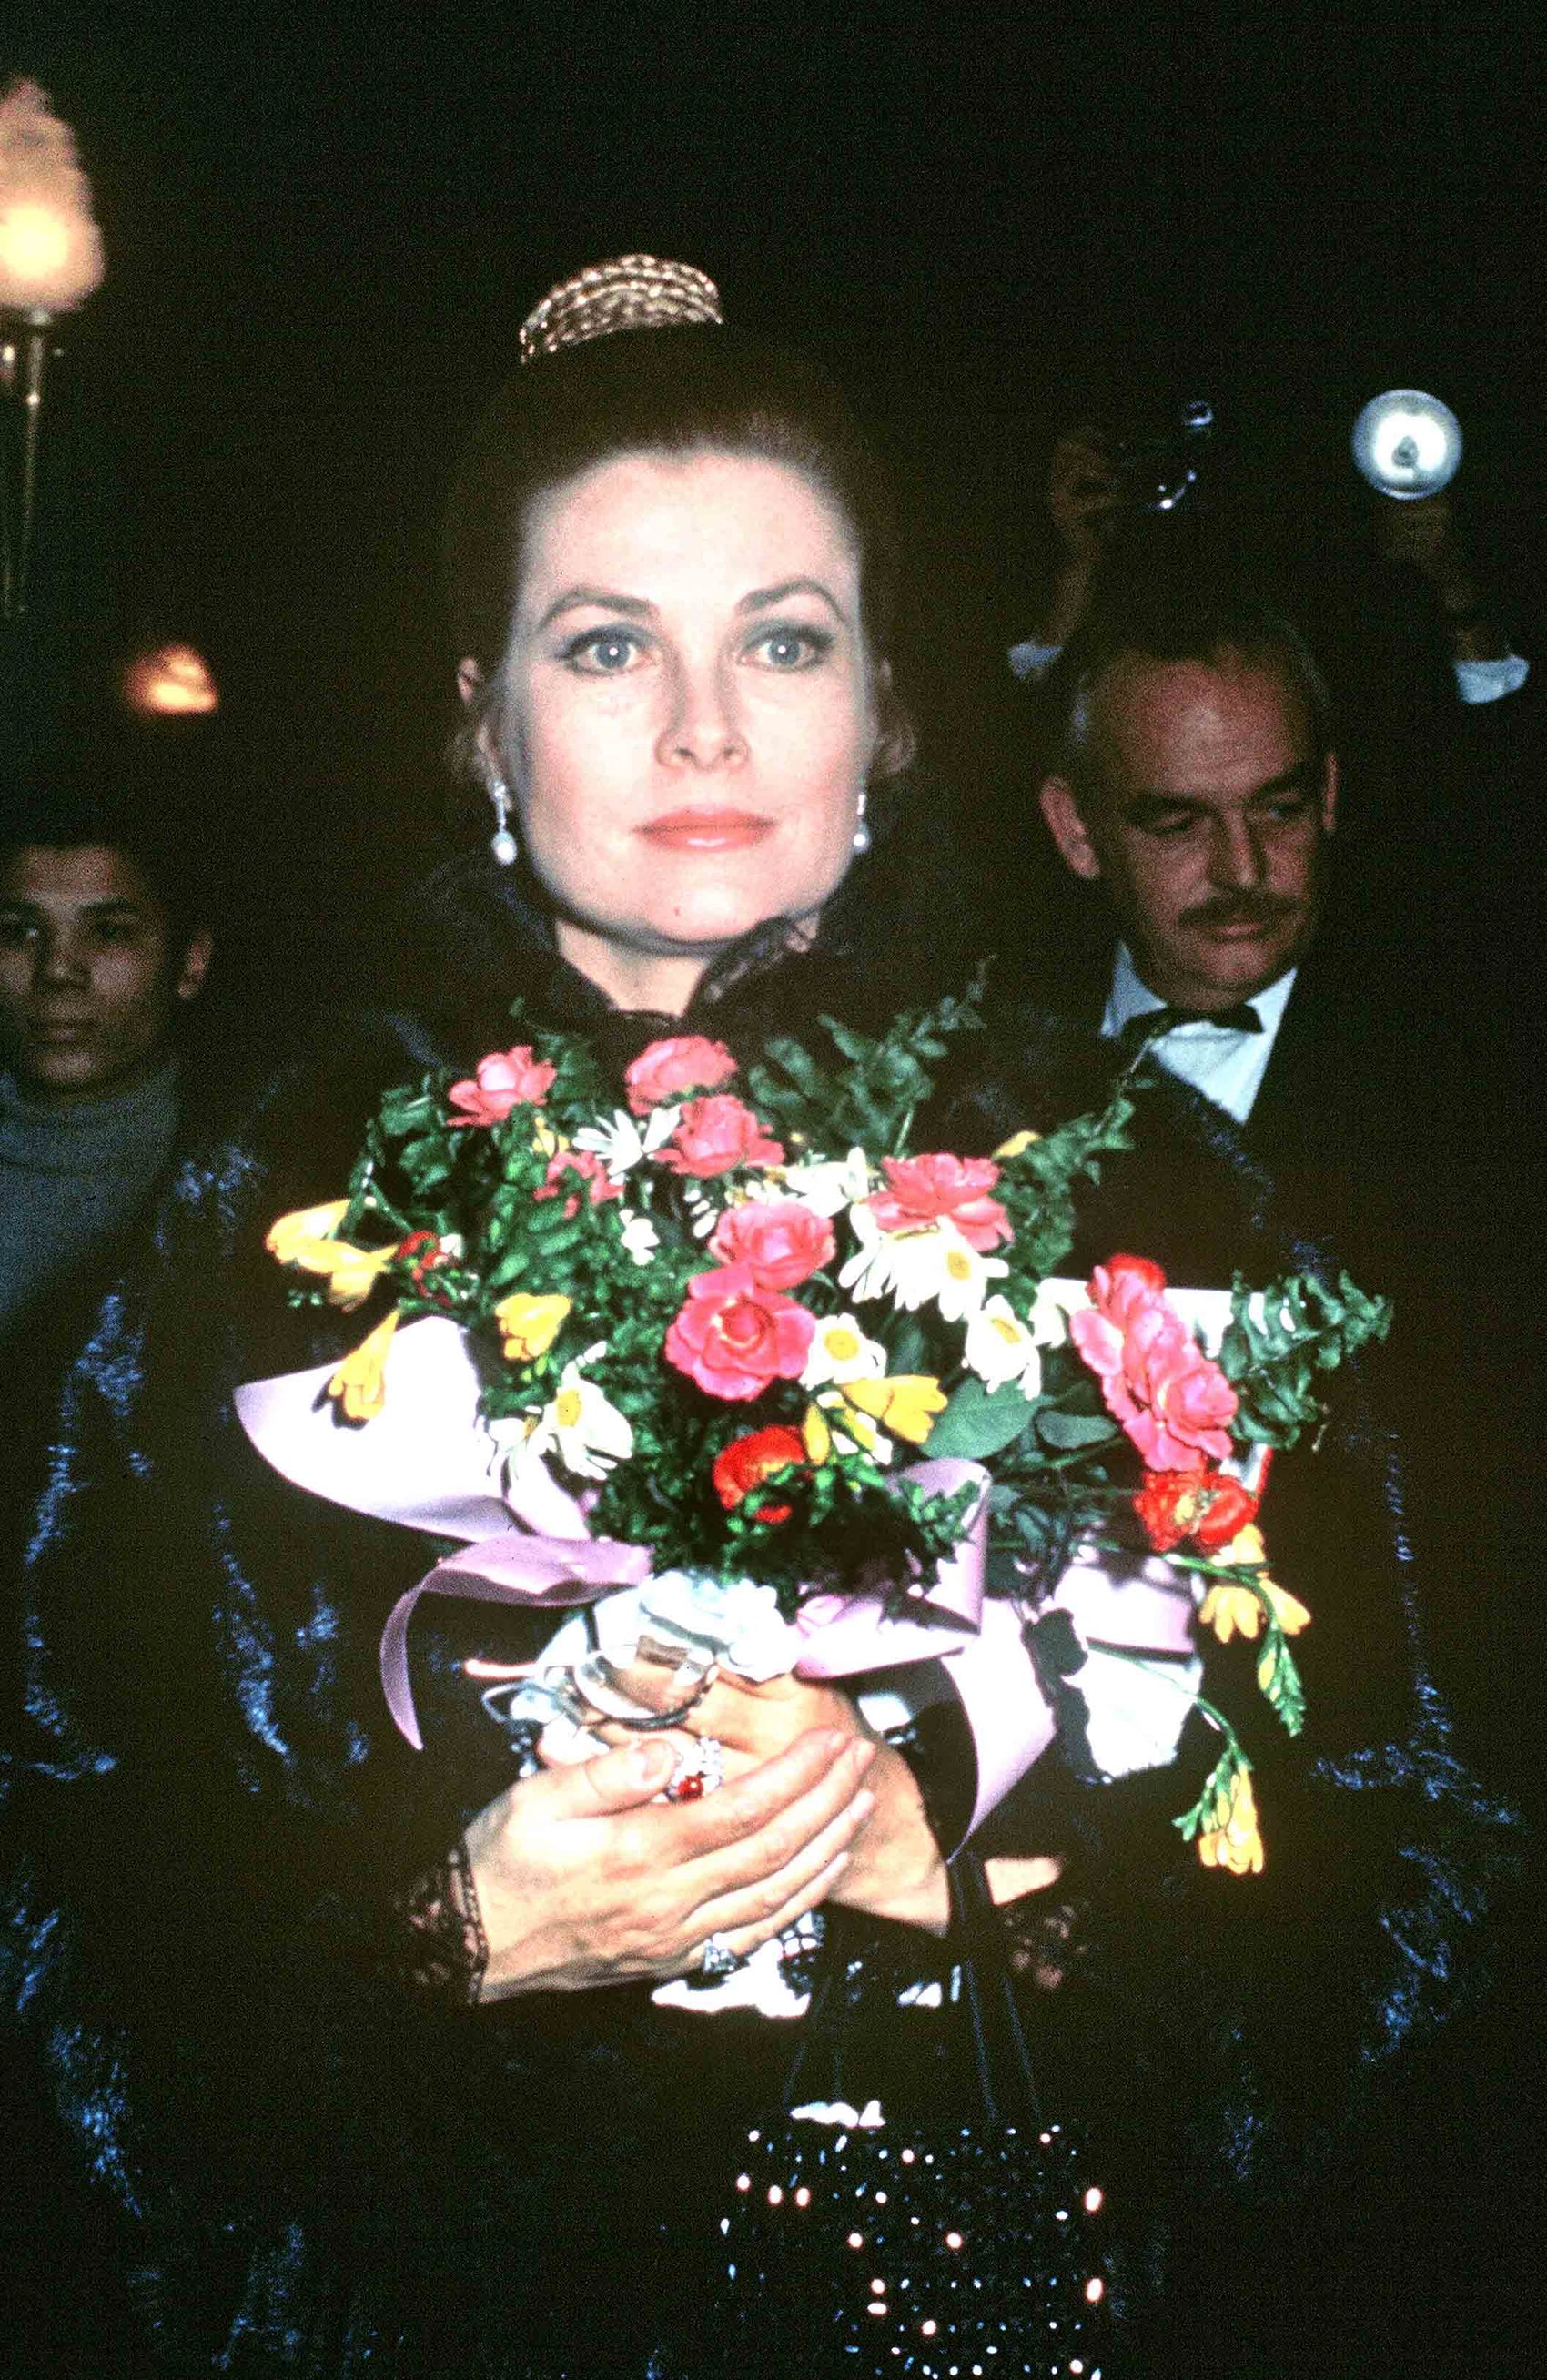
x: 700, y: 1769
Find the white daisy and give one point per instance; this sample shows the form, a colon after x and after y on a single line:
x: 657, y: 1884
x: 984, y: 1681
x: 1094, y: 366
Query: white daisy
x: 704, y: 1212
x: 999, y: 1348
x: 826, y: 1184
x: 964, y: 1275
x: 1051, y: 1307
x: 589, y: 1434
x: 872, y: 1271
x: 840, y: 1350
x: 508, y: 1435
x: 626, y: 1140
x: 931, y: 1266
x: 640, y: 1236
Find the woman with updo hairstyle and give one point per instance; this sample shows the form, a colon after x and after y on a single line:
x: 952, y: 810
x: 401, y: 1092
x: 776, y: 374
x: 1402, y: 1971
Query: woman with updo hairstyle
x: 356, y: 2051
x: 342, y: 2059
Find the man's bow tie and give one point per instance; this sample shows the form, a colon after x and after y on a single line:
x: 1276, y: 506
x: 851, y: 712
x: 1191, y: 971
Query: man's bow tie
x: 1152, y: 1023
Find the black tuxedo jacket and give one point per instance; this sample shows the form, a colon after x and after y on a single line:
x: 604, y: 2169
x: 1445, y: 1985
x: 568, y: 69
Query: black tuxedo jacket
x: 1335, y: 1116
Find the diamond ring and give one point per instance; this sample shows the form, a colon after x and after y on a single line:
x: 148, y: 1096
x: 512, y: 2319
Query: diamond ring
x: 719, y: 1959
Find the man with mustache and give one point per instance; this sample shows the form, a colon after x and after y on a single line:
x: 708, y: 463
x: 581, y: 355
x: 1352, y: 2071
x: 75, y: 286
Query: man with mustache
x: 1190, y: 773
x: 1342, y: 1021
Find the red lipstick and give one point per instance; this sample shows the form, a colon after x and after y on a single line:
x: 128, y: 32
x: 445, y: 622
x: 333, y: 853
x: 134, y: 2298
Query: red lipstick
x: 696, y: 830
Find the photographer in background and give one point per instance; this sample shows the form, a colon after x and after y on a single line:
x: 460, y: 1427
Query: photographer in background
x: 1109, y: 481
x: 1425, y: 539
x: 1083, y: 497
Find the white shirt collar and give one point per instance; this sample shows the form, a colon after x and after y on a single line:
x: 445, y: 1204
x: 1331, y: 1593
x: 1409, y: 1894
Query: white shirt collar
x: 1226, y: 1066
x: 1131, y: 996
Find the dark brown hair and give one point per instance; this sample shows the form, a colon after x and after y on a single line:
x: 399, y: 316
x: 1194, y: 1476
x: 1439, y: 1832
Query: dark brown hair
x: 672, y: 391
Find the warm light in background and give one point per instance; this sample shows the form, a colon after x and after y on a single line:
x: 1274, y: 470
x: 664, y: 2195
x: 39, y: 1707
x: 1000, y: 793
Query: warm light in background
x: 172, y: 681
x: 50, y: 251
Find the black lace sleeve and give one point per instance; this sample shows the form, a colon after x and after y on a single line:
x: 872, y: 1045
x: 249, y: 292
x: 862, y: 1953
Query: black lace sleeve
x: 449, y: 1950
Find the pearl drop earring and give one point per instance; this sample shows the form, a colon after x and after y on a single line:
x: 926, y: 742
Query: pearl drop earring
x: 501, y: 843
x: 862, y: 832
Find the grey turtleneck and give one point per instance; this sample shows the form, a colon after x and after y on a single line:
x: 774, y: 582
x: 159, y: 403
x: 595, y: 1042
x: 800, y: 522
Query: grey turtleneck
x: 70, y: 1175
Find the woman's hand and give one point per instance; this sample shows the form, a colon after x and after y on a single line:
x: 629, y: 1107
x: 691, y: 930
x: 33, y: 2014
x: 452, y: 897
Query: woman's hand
x: 895, y: 1868
x: 583, y: 1877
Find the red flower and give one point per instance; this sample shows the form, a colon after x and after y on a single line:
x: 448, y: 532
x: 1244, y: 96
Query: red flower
x: 734, y: 1338
x: 781, y: 1242
x: 1173, y: 1401
x: 920, y: 1190
x: 1205, y: 1507
x: 423, y: 1253
x: 588, y: 1170
x: 685, y: 1062
x: 716, y: 1134
x: 505, y: 1079
x: 746, y: 1463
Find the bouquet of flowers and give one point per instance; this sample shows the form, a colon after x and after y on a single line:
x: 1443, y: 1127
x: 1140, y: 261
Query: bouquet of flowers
x: 715, y: 1328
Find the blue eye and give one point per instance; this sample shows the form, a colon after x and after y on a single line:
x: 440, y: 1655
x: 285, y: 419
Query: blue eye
x: 605, y: 652
x: 792, y: 649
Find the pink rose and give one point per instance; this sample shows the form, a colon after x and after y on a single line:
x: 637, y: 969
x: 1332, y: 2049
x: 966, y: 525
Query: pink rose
x: 685, y: 1063
x: 1172, y: 1399
x: 781, y: 1242
x: 716, y: 1134
x: 588, y: 1172
x: 1121, y: 1292
x: 921, y: 1190
x: 505, y: 1079
x: 734, y: 1338
x: 1124, y: 1284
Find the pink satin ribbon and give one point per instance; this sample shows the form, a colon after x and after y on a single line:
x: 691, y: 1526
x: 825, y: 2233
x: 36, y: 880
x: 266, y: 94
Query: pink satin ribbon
x: 976, y: 1638
x: 425, y: 1463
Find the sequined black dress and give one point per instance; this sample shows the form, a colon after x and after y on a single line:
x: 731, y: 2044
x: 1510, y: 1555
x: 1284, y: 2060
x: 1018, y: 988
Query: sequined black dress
x: 266, y: 2135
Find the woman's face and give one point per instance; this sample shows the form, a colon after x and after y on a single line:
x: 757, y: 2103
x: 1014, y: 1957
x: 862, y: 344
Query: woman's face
x: 686, y: 710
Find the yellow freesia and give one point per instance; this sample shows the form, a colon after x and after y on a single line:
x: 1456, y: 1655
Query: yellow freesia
x: 529, y: 1325
x: 1013, y: 1147
x: 907, y: 1403
x: 360, y: 1382
x: 816, y: 1436
x: 857, y: 1428
x: 307, y: 1223
x: 302, y: 1239
x: 1287, y: 1609
x: 1236, y: 1844
x: 352, y: 1273
x: 1227, y: 1607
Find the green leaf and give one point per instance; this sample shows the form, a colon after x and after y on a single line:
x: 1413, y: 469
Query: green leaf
x: 426, y: 1164
x: 869, y: 1100
x: 1276, y: 1345
x: 909, y: 1350
x: 409, y: 1110
x: 979, y: 1421
x: 1278, y: 1675
x: 1071, y: 1429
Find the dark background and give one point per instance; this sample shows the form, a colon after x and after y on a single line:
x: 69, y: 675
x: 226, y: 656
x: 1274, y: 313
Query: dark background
x: 323, y: 226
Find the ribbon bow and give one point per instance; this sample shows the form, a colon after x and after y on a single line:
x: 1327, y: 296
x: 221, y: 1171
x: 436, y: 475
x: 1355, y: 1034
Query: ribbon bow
x: 424, y: 1463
